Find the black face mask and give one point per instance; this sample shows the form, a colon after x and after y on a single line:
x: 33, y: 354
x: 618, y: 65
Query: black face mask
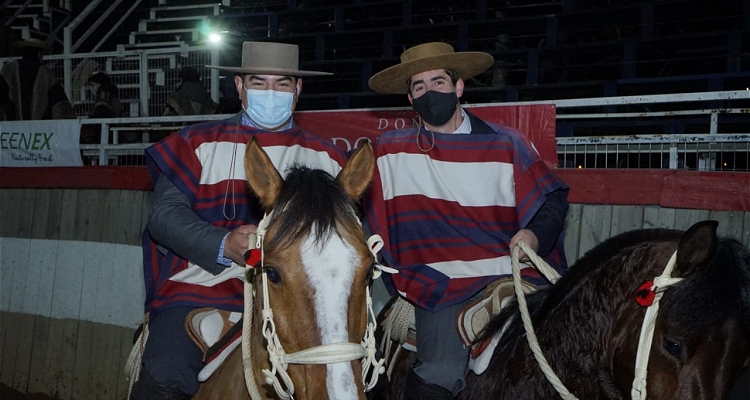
x: 435, y: 108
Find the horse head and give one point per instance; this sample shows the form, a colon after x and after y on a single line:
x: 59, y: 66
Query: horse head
x: 701, y: 338
x: 317, y: 266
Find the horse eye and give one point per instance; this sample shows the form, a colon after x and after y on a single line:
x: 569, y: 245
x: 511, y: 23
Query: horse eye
x: 672, y: 348
x: 272, y: 274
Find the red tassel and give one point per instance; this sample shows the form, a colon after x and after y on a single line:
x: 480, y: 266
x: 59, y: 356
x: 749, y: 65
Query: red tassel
x: 645, y: 294
x: 252, y: 257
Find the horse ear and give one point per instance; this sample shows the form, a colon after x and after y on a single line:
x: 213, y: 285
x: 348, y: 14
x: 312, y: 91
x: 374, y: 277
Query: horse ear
x: 262, y: 176
x: 357, y: 173
x: 695, y: 247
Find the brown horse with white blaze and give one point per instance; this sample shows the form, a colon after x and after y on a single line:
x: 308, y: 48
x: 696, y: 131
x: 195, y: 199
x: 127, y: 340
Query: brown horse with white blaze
x: 317, y: 266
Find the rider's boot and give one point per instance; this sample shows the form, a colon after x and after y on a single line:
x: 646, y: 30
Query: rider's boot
x: 146, y: 388
x: 417, y: 388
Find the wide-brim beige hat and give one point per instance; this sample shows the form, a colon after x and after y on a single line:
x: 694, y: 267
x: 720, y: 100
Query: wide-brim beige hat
x: 270, y: 58
x: 427, y: 57
x: 31, y: 42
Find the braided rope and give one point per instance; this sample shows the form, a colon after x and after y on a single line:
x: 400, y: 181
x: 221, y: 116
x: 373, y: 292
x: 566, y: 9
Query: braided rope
x: 370, y: 362
x: 247, y: 317
x: 538, y: 262
x: 661, y: 283
x: 395, y: 328
x: 247, y: 322
x: 524, y: 309
x: 133, y: 363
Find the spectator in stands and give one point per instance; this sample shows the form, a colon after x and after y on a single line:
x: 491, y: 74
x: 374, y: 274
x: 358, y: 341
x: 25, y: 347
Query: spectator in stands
x: 190, y: 98
x: 34, y: 88
x: 7, y: 108
x: 472, y: 191
x: 229, y: 102
x: 107, y: 103
x: 201, y: 216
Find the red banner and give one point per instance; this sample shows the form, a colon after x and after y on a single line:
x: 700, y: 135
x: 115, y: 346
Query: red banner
x: 347, y: 128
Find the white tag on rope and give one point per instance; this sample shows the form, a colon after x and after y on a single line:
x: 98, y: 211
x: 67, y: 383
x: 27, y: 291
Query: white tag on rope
x: 375, y: 244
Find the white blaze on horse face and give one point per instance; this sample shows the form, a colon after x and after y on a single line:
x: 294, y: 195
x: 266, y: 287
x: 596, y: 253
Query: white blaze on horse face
x: 330, y: 269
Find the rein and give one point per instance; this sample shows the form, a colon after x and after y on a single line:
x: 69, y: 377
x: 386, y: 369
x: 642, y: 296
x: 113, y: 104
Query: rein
x: 322, y: 354
x: 660, y: 284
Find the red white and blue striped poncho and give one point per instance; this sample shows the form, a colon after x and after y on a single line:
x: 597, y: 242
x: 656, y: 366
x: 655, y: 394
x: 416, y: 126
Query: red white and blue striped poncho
x: 197, y: 160
x: 447, y: 215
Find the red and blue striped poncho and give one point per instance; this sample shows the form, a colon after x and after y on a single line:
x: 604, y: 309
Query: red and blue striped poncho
x: 198, y: 161
x: 448, y: 214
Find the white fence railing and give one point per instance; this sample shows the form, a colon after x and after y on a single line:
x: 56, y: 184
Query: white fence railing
x: 706, y: 152
x: 121, y: 141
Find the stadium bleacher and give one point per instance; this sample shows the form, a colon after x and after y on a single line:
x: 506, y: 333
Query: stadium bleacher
x: 544, y: 49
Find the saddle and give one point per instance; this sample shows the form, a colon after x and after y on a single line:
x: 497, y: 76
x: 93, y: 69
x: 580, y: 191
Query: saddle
x: 217, y: 333
x: 470, y: 323
x: 472, y: 320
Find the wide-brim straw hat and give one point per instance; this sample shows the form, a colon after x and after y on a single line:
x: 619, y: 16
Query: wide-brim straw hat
x: 428, y: 57
x: 270, y: 58
x: 31, y: 42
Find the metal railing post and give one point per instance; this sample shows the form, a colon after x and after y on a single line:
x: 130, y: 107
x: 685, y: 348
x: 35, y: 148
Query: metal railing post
x: 104, y: 140
x: 67, y: 62
x: 714, y: 129
x: 144, y: 86
x: 673, y: 157
x: 215, y: 75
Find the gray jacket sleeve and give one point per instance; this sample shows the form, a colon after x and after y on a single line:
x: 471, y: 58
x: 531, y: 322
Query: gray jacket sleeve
x: 174, y: 225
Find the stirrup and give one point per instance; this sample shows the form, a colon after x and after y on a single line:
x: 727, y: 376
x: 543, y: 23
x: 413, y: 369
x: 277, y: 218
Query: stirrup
x: 472, y: 320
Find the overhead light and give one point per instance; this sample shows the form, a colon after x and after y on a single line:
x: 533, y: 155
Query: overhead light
x: 214, y: 37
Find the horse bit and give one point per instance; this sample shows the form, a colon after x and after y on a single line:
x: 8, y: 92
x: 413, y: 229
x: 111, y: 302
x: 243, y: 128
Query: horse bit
x: 322, y: 354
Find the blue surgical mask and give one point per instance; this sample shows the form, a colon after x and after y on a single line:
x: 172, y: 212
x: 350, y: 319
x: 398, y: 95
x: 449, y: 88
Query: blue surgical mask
x: 268, y: 108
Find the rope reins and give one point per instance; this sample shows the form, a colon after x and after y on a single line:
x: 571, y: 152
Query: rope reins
x: 661, y: 283
x: 330, y: 353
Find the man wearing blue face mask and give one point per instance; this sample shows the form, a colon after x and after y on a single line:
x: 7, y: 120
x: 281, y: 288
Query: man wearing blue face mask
x: 451, y: 198
x: 202, y: 215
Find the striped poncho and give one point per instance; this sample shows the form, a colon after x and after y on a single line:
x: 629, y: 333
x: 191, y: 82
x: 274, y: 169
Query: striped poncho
x: 448, y: 214
x: 198, y: 161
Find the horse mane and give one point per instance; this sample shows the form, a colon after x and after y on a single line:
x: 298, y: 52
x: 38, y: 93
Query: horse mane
x: 607, y: 250
x: 311, y: 200
x: 709, y: 295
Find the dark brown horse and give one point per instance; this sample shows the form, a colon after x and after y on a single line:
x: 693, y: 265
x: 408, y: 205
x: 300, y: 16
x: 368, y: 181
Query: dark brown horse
x: 317, y: 266
x: 589, y: 322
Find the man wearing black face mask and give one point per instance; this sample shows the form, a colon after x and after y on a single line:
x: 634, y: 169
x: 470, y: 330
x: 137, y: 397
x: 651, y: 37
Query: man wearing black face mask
x: 451, y: 198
